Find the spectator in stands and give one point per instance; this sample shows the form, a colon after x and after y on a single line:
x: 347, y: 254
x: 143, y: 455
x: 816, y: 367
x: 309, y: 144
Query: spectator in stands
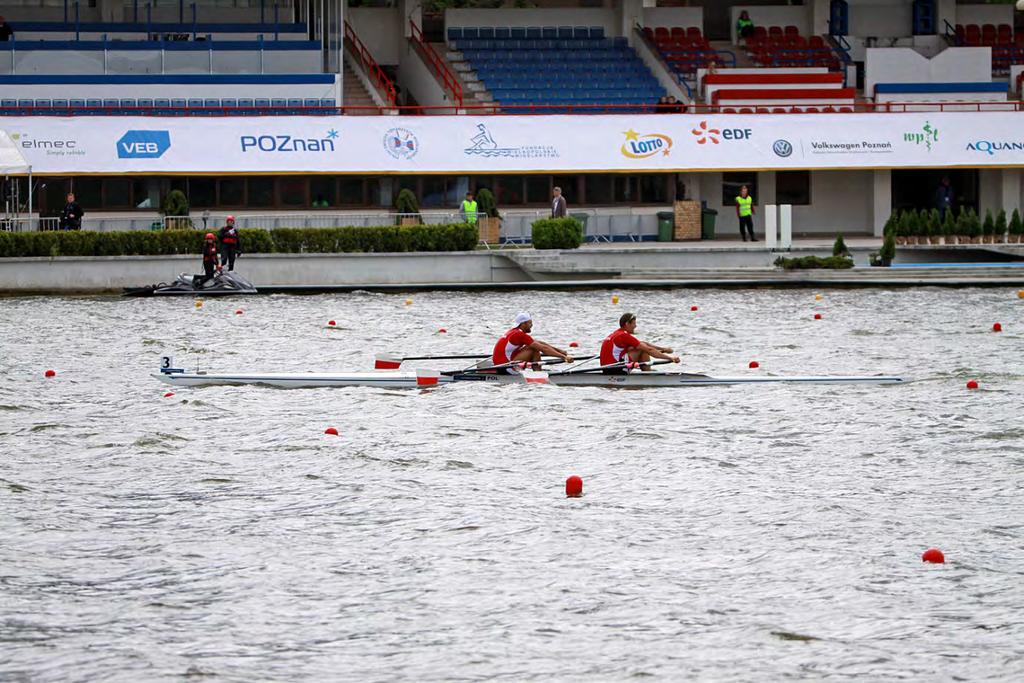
x: 71, y: 216
x: 744, y: 25
x: 662, y: 106
x: 6, y: 32
x: 944, y: 197
x: 468, y: 209
x: 674, y: 105
x: 745, y: 212
x: 559, y: 209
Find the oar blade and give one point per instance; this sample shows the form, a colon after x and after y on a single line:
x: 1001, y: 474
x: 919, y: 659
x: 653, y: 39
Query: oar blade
x: 427, y: 378
x: 535, y: 377
x: 384, y: 362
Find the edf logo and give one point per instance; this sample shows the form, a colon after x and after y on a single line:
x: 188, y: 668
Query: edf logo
x: 143, y: 144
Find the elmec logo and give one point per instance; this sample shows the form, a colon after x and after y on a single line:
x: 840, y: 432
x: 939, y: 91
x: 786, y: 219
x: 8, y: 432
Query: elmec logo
x: 705, y: 134
x: 639, y: 146
x: 143, y: 144
x: 928, y: 135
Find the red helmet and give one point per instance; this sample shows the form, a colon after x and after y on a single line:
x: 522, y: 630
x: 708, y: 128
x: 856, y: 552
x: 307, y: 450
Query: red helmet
x: 210, y: 236
x: 230, y: 219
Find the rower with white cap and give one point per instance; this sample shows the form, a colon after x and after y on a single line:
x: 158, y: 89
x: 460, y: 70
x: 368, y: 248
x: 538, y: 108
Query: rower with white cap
x: 517, y: 345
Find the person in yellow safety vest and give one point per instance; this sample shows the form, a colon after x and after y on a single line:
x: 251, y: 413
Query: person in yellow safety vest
x: 744, y: 25
x: 468, y: 209
x: 745, y: 212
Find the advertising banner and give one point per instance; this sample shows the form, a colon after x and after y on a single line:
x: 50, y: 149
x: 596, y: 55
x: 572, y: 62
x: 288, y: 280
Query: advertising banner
x: 514, y: 144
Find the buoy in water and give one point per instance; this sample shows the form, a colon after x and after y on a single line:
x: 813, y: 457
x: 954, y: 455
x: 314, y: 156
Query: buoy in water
x: 442, y: 331
x: 199, y: 304
x: 238, y: 312
x: 574, y: 345
x: 818, y: 297
x: 573, y: 487
x: 933, y: 555
x: 333, y: 431
x: 615, y: 299
x: 817, y: 316
x: 754, y: 364
x: 997, y: 327
x: 972, y: 384
x: 50, y: 373
x: 408, y: 302
x: 693, y: 308
x: 1020, y: 293
x: 331, y: 323
x: 169, y: 394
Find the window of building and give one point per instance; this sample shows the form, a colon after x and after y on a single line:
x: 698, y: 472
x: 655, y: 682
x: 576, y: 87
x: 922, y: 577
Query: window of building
x: 323, y: 188
x: 793, y: 187
x: 438, y: 192
x: 88, y: 192
x: 570, y: 188
x: 598, y: 189
x: 731, y: 184
x: 510, y: 190
x: 350, y: 191
x: 625, y: 189
x: 538, y: 189
x: 231, y: 192
x: 261, y: 191
x: 202, y: 192
x: 654, y: 188
x: 293, y: 190
x: 117, y: 193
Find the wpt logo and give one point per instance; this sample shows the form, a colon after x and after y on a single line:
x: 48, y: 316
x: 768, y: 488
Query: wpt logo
x: 928, y: 135
x: 143, y: 144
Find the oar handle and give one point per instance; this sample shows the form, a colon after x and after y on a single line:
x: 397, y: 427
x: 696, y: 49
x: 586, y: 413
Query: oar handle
x: 613, y: 366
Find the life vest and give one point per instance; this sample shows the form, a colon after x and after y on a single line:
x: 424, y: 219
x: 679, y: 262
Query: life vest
x: 230, y: 236
x: 745, y: 205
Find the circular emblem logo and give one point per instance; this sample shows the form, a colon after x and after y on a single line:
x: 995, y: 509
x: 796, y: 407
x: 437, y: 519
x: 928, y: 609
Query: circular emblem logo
x: 401, y: 143
x: 782, y: 148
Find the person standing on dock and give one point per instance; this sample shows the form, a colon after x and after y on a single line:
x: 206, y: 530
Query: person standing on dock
x: 745, y: 212
x: 468, y: 209
x: 230, y: 244
x: 621, y: 346
x: 71, y: 216
x: 517, y: 345
x: 559, y: 208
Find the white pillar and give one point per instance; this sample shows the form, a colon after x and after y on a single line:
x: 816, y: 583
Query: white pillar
x: 1011, y: 196
x: 770, y: 226
x: 819, y: 15
x: 881, y: 200
x: 786, y: 226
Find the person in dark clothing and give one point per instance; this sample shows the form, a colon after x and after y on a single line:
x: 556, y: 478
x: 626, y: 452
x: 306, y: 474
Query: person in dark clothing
x: 6, y: 32
x: 744, y: 25
x: 71, y: 216
x: 944, y: 197
x: 230, y: 244
x: 209, y: 261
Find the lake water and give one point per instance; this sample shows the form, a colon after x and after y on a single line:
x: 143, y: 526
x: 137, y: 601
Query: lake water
x: 726, y: 533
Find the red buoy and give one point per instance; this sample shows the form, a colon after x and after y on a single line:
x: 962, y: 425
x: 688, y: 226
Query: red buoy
x: 754, y: 364
x: 693, y: 308
x: 169, y: 394
x: 573, y: 487
x: 933, y: 555
x: 574, y: 345
x: 331, y: 323
x: 50, y: 373
x: 817, y: 316
x: 997, y: 327
x: 442, y: 331
x: 333, y: 431
x: 238, y: 312
x: 972, y: 384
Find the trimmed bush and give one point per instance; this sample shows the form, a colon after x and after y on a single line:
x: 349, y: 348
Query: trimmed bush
x: 839, y: 247
x: 949, y: 224
x: 557, y: 233
x: 988, y: 226
x: 487, y: 205
x: 888, y: 250
x: 449, y: 237
x: 1016, y: 226
x: 813, y: 262
x: 1000, y: 232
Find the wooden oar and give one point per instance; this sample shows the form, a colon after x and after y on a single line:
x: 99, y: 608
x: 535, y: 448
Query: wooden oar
x: 384, y: 362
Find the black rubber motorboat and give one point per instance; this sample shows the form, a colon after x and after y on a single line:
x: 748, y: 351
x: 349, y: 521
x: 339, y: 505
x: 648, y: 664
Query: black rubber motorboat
x: 223, y: 283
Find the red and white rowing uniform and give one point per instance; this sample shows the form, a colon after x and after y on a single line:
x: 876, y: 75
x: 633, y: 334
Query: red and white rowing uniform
x: 509, y: 345
x: 615, y: 345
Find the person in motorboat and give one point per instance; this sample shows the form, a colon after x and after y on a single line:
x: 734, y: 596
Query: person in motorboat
x: 517, y: 345
x: 621, y: 345
x: 209, y: 261
x: 230, y: 243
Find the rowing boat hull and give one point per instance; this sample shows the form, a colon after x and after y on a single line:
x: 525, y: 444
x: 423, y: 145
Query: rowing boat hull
x: 409, y: 380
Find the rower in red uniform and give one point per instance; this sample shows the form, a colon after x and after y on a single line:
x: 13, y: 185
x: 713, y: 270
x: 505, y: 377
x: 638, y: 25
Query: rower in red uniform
x: 621, y: 345
x: 518, y: 345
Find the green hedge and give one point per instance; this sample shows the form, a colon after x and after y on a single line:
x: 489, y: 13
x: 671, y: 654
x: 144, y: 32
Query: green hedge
x: 452, y: 237
x: 811, y: 262
x: 557, y: 233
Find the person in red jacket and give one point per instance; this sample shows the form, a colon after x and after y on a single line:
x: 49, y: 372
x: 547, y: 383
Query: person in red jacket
x: 230, y: 244
x: 621, y: 346
x: 209, y: 261
x: 518, y: 345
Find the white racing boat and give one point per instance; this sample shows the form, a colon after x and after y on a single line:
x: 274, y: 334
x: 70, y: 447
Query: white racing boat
x: 419, y: 379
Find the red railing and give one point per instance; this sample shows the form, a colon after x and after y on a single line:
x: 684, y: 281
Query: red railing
x: 437, y: 64
x: 385, y: 87
x: 530, y: 109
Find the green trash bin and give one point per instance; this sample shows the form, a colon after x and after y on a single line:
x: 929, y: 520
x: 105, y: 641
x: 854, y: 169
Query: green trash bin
x: 707, y: 223
x: 156, y: 225
x: 666, y: 226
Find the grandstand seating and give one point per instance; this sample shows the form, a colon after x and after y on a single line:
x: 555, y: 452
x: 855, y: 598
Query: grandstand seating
x: 1007, y: 48
x: 684, y: 49
x: 776, y: 46
x: 556, y: 66
x: 748, y: 101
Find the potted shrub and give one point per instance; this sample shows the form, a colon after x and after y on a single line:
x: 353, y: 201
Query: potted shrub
x: 839, y: 247
x: 887, y: 253
x: 949, y: 228
x: 916, y: 229
x: 974, y: 226
x: 557, y: 233
x: 906, y: 232
x: 891, y: 225
x: 487, y: 216
x: 1000, y: 233
x: 934, y: 227
x: 1016, y: 227
x: 407, y: 208
x: 175, y: 207
x: 963, y: 226
x: 988, y: 228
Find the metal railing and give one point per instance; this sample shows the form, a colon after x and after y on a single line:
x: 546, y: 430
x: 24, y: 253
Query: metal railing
x: 28, y: 224
x: 437, y: 64
x: 385, y: 87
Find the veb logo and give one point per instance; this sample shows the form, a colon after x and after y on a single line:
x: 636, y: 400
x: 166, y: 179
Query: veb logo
x: 143, y: 144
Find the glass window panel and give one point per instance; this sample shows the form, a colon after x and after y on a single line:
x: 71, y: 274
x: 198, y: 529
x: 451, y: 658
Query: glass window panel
x: 322, y: 189
x: 598, y: 189
x: 232, y: 192
x: 293, y: 190
x: 350, y: 191
x: 793, y: 187
x: 437, y: 193
x: 202, y: 191
x: 510, y: 190
x: 731, y: 184
x: 570, y: 191
x: 87, y: 193
x: 653, y: 189
x: 625, y: 189
x: 538, y: 189
x: 261, y: 190
x: 117, y: 193
x: 377, y: 193
x: 484, y: 181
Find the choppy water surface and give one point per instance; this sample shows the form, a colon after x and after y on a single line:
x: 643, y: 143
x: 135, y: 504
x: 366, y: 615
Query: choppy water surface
x: 749, y: 533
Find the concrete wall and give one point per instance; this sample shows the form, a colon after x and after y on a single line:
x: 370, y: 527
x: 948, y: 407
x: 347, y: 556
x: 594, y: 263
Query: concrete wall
x: 142, y: 62
x: 114, y: 273
x: 881, y: 18
x: 984, y: 14
x: 163, y: 91
x: 419, y: 80
x: 904, y: 65
x: 669, y: 17
x: 534, y: 17
x: 381, y: 30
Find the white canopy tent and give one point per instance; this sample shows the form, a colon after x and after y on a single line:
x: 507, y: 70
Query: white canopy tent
x: 13, y: 163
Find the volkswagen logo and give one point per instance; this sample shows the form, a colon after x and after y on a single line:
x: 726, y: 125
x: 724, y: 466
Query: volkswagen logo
x: 782, y: 148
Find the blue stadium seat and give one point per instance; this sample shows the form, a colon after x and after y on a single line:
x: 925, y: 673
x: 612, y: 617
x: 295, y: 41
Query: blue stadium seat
x: 487, y: 33
x: 502, y: 33
x: 78, y: 105
x: 597, y: 32
x: 179, y: 104
x: 128, y: 103
x: 9, y: 107
x: 262, y: 104
x: 549, y: 32
x: 43, y: 104
x: 454, y: 33
x: 211, y: 103
x: 278, y: 103
x: 194, y: 103
x: 311, y: 105
x: 246, y: 105
x: 60, y: 104
x: 329, y: 103
x: 163, y: 104
x: 111, y: 106
x: 580, y: 32
x: 146, y: 103
x: 229, y: 103
x: 534, y: 33
x: 295, y: 105
x: 470, y: 32
x: 518, y: 32
x: 565, y: 32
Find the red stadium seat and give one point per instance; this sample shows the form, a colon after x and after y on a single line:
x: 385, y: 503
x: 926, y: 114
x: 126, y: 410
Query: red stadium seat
x: 816, y: 42
x: 810, y: 110
x: 760, y: 32
x: 694, y: 32
x: 846, y: 110
x: 678, y: 31
x: 775, y: 31
x: 791, y: 31
x: 746, y: 110
x: 661, y: 33
x: 779, y: 110
x: 648, y: 32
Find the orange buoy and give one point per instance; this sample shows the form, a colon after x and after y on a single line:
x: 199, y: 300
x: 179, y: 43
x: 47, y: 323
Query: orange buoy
x: 754, y: 364
x: 933, y: 555
x: 972, y: 384
x: 333, y: 431
x: 50, y: 373
x: 573, y: 487
x: 997, y: 327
